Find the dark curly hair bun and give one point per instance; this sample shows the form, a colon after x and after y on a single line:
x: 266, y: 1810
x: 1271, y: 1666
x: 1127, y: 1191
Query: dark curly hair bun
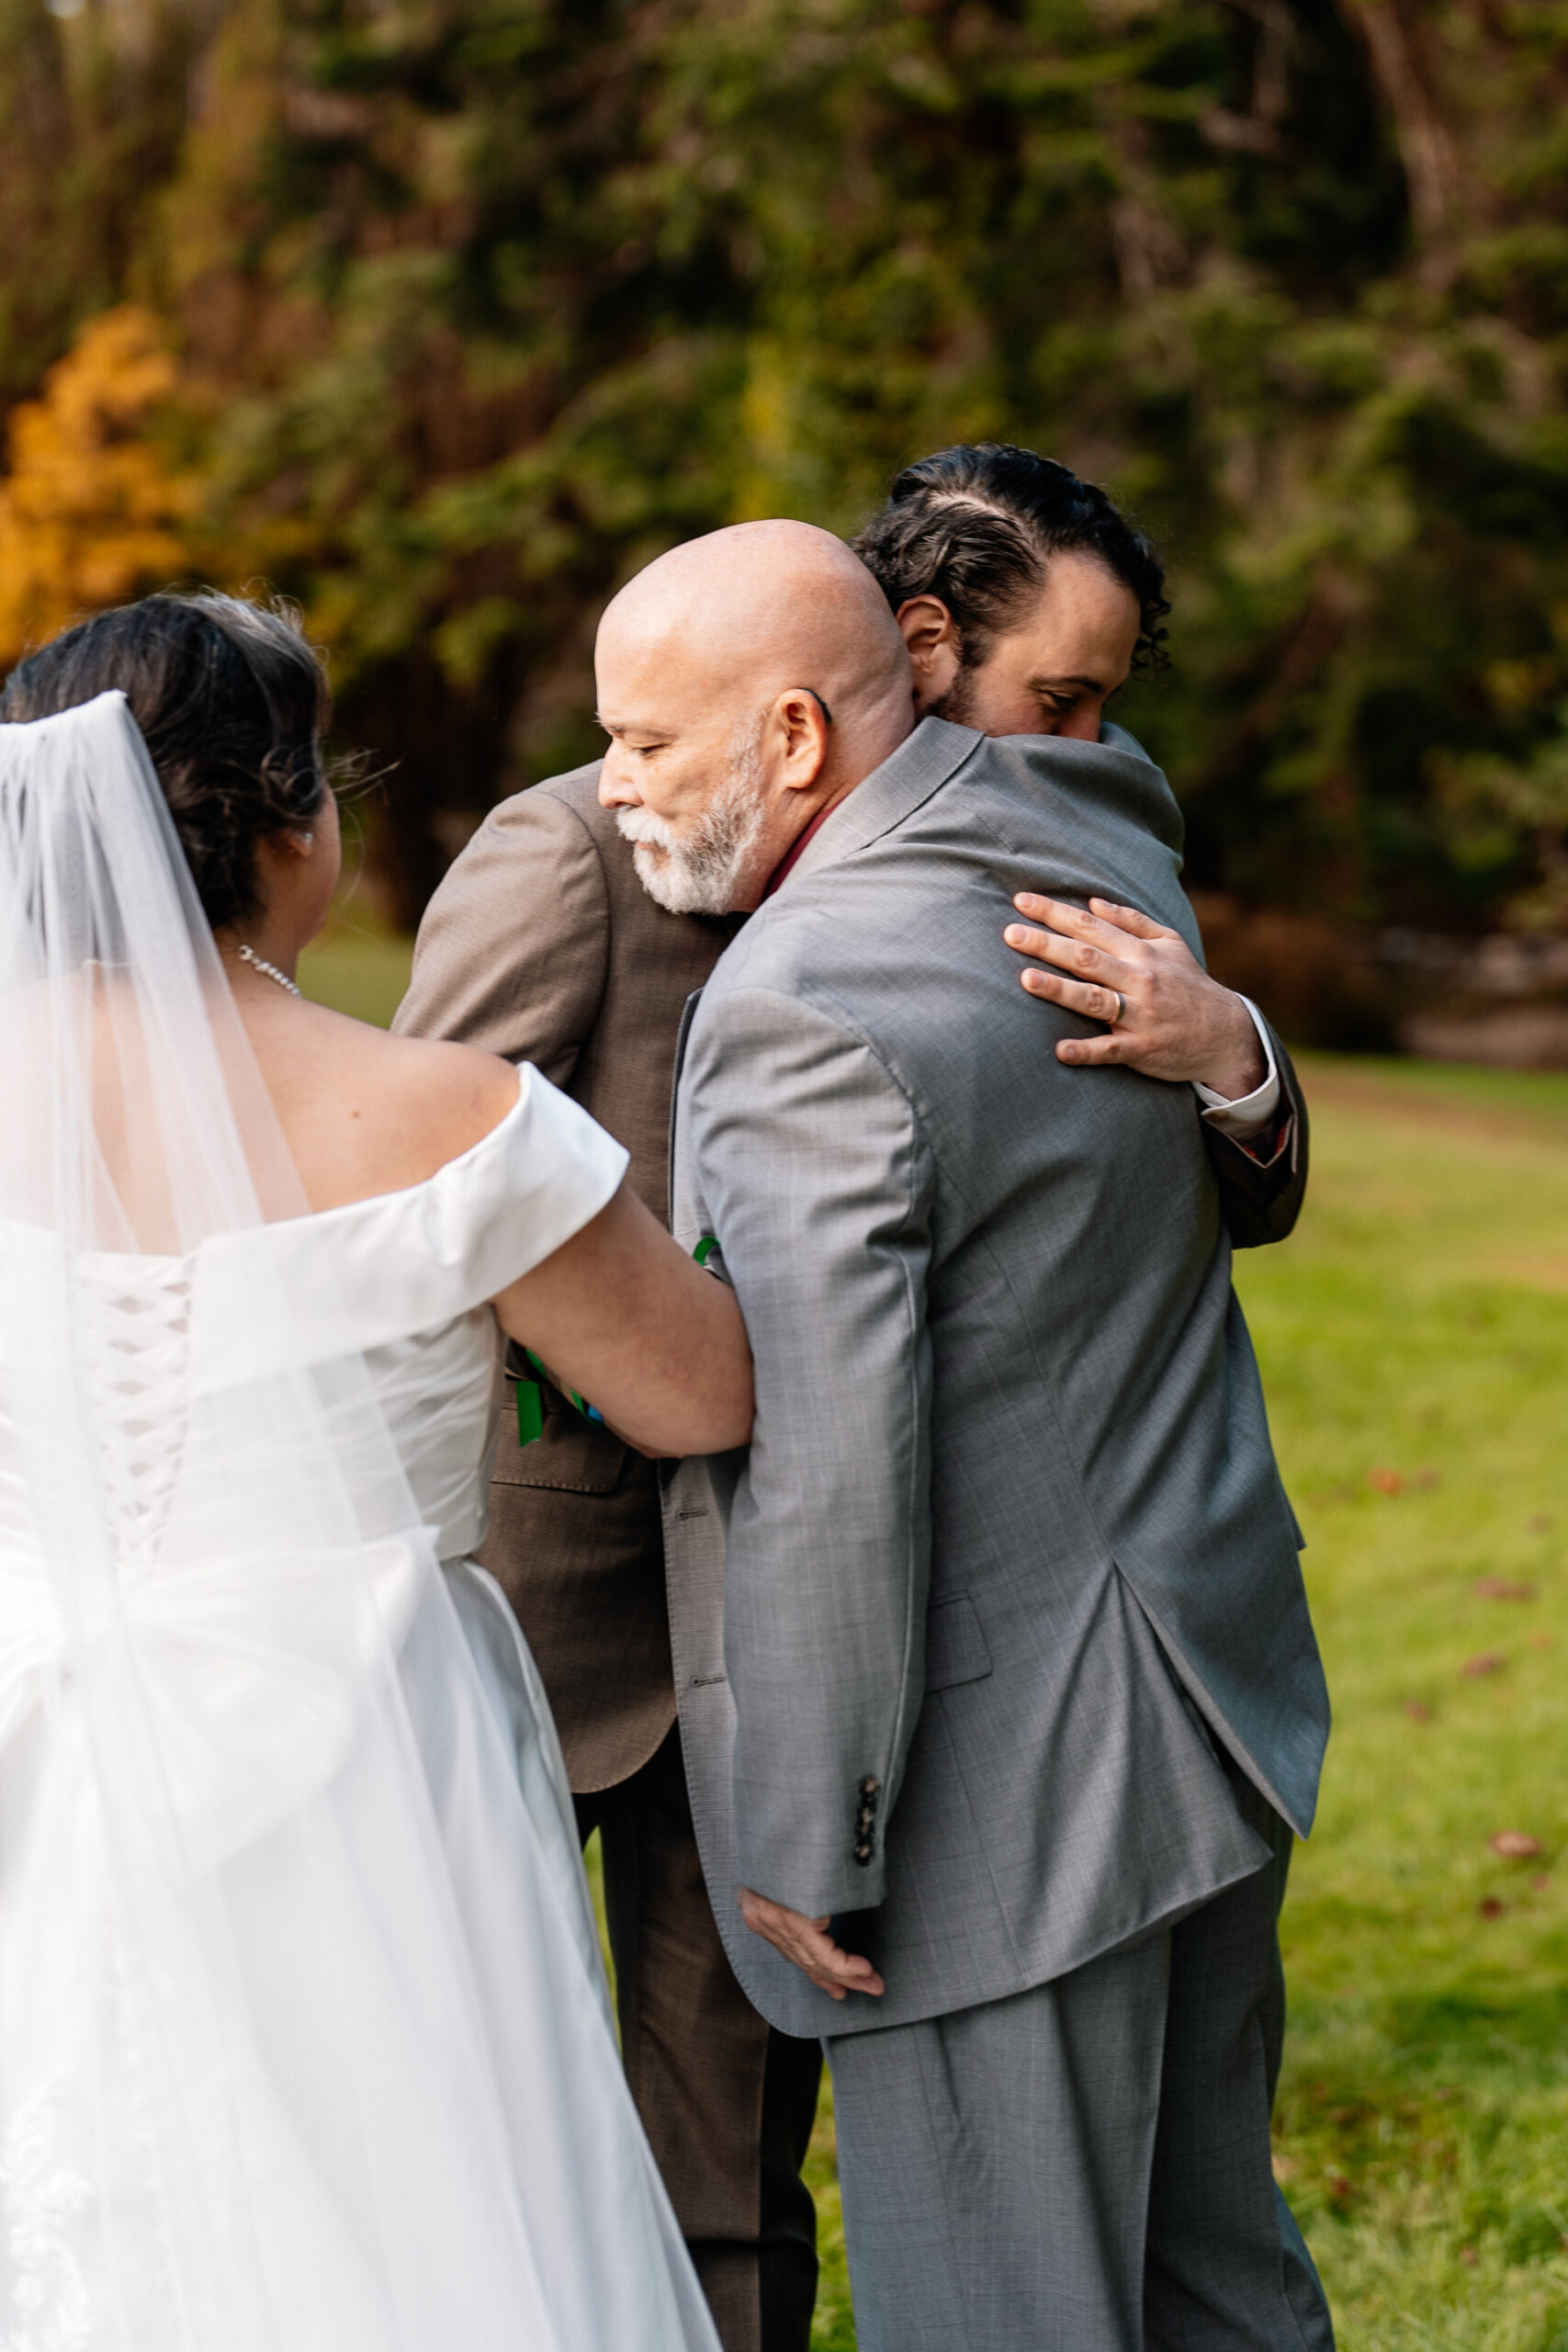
x: 976, y: 525
x: 232, y: 703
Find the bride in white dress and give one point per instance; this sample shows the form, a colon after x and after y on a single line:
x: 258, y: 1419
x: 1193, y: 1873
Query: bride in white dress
x: 304, y: 2044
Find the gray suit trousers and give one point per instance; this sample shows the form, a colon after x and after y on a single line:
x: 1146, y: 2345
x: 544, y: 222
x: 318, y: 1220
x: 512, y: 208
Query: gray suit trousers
x: 1084, y: 2166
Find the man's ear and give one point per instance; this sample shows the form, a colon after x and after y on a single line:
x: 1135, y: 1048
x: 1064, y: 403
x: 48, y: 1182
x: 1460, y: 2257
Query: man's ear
x: 931, y: 635
x: 799, y: 716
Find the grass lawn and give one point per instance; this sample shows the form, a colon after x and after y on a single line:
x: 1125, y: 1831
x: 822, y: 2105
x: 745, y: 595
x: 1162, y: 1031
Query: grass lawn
x: 1413, y: 1336
x: 1417, y: 1330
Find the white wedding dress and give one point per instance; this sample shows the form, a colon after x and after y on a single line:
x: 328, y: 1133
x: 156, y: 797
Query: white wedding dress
x: 304, y: 2039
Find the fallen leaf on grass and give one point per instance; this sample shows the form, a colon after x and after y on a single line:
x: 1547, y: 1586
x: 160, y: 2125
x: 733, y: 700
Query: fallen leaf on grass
x: 1386, y: 1482
x: 1489, y: 1662
x: 1337, y: 2185
x: 1540, y: 1639
x: 1515, y: 1845
x: 1468, y: 2256
x: 1542, y: 1880
x: 1418, y: 1710
x: 1491, y: 1906
x: 1539, y: 1524
x: 1502, y: 1588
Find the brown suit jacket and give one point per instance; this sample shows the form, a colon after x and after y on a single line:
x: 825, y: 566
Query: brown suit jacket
x: 542, y: 945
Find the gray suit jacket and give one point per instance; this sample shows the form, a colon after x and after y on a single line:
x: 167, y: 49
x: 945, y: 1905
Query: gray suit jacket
x: 1008, y: 1553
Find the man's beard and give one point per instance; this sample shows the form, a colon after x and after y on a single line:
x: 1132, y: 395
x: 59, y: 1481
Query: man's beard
x: 703, y: 871
x: 958, y: 701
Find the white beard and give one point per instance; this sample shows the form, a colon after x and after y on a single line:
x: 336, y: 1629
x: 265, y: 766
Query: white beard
x: 705, y: 871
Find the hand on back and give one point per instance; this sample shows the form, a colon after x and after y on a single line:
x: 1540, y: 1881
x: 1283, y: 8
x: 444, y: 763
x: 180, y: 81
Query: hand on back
x: 1172, y: 1021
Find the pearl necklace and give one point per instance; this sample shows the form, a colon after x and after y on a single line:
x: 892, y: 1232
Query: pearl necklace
x: 249, y: 955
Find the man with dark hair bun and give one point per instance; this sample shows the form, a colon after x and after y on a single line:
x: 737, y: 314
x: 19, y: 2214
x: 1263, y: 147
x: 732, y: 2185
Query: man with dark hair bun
x: 964, y: 551
x: 1026, y: 599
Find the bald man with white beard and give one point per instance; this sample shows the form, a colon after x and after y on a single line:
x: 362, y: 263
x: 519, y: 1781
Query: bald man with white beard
x: 542, y: 945
x: 1000, y: 1698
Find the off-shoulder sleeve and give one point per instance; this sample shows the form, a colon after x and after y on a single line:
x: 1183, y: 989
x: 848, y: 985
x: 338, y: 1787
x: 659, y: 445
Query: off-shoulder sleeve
x: 315, y: 1288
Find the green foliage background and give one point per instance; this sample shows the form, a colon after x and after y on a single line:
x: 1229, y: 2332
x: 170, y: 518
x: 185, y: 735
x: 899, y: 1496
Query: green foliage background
x: 482, y: 302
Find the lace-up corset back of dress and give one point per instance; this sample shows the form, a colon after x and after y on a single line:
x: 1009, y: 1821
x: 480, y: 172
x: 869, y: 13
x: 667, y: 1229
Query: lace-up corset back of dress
x: 136, y: 1319
x: 158, y: 1417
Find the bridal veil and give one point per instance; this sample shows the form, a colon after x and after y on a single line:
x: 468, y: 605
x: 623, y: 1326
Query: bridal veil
x: 288, y: 2061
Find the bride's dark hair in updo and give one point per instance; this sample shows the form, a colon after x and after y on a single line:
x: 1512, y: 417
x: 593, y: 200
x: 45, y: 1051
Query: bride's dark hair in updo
x: 232, y: 703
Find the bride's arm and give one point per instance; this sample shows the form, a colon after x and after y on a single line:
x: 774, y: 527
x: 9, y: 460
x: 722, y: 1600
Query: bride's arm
x: 622, y: 1315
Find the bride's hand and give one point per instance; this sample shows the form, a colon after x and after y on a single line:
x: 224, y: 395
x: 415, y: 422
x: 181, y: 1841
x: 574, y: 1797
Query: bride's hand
x: 1178, y: 1023
x: 621, y: 1314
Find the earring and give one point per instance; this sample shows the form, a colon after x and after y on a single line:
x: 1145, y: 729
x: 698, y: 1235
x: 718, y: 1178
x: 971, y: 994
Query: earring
x: 305, y: 839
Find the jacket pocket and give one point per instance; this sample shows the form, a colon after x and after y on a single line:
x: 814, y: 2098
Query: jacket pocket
x: 955, y: 1646
x: 572, y: 1454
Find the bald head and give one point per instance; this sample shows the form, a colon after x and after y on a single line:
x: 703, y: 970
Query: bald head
x: 747, y: 680
x: 771, y: 604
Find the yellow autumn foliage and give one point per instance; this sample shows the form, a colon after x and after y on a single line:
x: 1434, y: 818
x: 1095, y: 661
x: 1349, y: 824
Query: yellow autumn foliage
x: 90, y: 511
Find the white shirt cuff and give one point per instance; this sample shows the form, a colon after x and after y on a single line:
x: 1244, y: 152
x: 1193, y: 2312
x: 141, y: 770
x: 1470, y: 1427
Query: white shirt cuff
x: 1246, y: 1117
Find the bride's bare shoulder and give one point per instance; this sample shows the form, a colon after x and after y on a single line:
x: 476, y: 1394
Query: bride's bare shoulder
x: 369, y: 1113
x: 438, y: 1090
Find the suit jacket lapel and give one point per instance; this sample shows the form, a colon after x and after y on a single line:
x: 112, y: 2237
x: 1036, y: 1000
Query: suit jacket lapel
x: 688, y: 1015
